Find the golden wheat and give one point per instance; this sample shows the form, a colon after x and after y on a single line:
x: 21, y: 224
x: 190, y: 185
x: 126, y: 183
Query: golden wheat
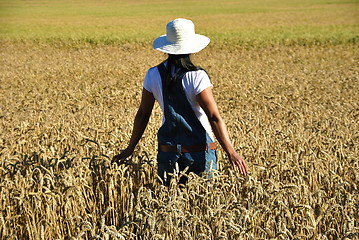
x: 291, y: 111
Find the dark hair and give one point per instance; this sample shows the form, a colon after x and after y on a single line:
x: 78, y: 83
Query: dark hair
x: 179, y: 61
x: 182, y: 61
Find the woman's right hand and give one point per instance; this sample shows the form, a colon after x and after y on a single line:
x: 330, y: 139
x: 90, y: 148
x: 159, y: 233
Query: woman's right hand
x: 122, y: 156
x: 238, y: 162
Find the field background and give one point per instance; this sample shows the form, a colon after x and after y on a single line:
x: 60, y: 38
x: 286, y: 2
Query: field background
x: 245, y: 21
x: 285, y: 76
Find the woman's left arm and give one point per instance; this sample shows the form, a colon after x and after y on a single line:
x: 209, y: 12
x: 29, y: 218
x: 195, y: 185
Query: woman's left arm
x: 140, y: 123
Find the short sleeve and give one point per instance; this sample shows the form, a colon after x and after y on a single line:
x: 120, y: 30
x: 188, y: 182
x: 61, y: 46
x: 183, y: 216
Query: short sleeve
x: 202, y: 82
x: 147, y: 82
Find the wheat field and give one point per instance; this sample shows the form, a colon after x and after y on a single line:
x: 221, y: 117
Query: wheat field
x: 291, y: 112
x: 286, y: 86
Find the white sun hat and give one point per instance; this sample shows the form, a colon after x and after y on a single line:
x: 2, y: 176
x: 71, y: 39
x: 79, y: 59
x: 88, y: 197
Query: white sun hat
x: 180, y: 38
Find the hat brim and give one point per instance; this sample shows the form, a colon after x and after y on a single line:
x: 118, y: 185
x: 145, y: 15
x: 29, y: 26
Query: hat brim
x: 193, y: 45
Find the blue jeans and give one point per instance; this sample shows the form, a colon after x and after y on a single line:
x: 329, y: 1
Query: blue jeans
x: 197, y: 162
x: 181, y: 127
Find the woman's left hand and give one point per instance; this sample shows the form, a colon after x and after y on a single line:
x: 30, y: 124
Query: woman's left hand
x: 122, y: 156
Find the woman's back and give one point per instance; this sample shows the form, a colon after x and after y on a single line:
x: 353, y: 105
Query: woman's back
x: 193, y: 83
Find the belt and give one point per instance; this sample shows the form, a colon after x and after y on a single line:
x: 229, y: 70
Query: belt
x: 186, y: 149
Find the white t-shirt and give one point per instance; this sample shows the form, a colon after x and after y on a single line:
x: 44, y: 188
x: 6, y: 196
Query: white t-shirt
x: 194, y: 82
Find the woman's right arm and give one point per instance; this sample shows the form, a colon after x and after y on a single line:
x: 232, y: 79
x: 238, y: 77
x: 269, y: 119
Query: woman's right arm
x: 140, y: 123
x: 208, y: 104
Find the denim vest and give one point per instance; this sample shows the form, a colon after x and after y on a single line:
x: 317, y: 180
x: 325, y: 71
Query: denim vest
x: 181, y: 127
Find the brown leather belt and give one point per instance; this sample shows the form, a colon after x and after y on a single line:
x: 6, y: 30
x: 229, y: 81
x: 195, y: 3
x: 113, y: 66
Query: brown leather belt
x: 186, y: 149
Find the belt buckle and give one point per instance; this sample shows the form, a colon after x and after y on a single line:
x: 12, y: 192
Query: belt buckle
x: 178, y: 148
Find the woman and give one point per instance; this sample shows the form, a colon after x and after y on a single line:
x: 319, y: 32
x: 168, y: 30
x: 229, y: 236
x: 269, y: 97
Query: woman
x: 190, y: 113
